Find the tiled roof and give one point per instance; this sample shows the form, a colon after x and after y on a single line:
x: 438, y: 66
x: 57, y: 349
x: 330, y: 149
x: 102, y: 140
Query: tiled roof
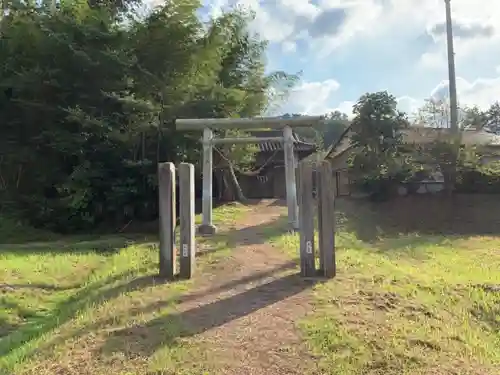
x: 422, y: 135
x: 299, y: 144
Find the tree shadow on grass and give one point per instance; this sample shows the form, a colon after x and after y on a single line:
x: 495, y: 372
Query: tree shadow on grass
x: 34, y: 286
x: 7, y: 328
x: 64, y: 311
x: 144, y: 340
x: 106, y: 290
x: 487, y: 308
x: 406, y: 223
x: 143, y: 282
x: 105, y: 246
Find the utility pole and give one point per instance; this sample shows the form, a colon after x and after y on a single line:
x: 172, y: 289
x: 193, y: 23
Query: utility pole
x: 451, y: 70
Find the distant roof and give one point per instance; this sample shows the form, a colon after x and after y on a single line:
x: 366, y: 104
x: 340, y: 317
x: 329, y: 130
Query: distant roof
x: 340, y: 145
x: 420, y: 135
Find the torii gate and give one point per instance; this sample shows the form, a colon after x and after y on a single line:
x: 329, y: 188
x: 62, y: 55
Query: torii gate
x: 208, y: 125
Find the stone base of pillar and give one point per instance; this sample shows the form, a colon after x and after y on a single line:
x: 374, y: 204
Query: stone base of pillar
x: 207, y: 230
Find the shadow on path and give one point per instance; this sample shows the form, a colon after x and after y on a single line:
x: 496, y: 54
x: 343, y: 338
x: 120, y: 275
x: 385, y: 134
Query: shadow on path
x: 146, y: 339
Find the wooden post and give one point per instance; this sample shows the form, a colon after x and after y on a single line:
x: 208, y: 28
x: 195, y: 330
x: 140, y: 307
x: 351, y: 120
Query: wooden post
x: 326, y: 220
x: 291, y: 186
x: 187, y: 241
x: 321, y: 246
x: 207, y: 227
x: 166, y: 192
x: 307, y: 265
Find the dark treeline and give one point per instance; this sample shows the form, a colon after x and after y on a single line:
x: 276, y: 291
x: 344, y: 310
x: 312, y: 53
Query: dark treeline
x: 90, y: 91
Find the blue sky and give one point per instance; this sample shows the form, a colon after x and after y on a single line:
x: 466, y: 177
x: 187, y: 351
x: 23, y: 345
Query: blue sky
x: 348, y: 47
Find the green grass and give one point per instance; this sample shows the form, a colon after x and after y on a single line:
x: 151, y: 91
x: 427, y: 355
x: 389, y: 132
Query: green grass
x: 407, y: 304
x: 63, y: 291
x: 404, y: 302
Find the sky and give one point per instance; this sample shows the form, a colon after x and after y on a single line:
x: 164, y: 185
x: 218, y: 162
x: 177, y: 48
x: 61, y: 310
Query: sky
x: 345, y: 48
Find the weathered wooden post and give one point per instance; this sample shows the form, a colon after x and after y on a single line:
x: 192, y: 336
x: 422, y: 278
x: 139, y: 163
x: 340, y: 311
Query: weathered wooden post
x: 187, y: 240
x: 321, y: 247
x: 326, y: 220
x: 291, y: 184
x: 307, y: 263
x: 166, y: 195
x: 207, y: 227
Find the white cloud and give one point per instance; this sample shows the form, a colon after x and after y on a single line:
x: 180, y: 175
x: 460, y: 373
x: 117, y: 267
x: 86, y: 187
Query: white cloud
x: 346, y: 107
x: 481, y: 92
x: 329, y: 27
x: 408, y: 104
x: 315, y: 98
x: 311, y: 98
x: 433, y: 60
x: 289, y: 47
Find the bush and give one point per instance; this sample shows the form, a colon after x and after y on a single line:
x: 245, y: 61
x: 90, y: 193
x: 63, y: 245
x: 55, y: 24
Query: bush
x: 479, y: 180
x: 381, y: 187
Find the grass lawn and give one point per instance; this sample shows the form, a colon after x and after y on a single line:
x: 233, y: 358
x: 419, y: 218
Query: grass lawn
x: 404, y: 301
x: 50, y: 292
x: 408, y: 303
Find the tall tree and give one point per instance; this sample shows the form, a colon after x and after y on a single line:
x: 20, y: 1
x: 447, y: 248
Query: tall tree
x: 473, y: 118
x: 377, y: 140
x: 493, y: 117
x: 434, y: 113
x: 242, y: 89
x: 90, y: 95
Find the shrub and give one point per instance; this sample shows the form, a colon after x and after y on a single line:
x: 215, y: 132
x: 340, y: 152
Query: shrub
x: 479, y: 179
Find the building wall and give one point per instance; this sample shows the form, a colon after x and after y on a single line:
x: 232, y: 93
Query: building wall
x: 279, y: 183
x: 340, y: 162
x: 267, y: 186
x: 340, y: 173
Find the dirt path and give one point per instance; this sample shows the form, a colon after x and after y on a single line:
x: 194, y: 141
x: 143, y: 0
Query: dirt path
x: 239, y: 318
x: 250, y: 324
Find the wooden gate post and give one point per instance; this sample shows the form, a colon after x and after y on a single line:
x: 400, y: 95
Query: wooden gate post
x: 307, y: 264
x: 207, y: 227
x: 326, y: 219
x: 321, y: 246
x: 187, y: 229
x: 166, y: 196
x: 291, y: 183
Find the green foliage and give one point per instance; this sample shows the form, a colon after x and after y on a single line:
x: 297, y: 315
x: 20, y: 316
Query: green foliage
x: 91, y: 92
x: 477, y: 178
x: 493, y: 117
x: 474, y: 118
x: 325, y: 133
x: 377, y: 160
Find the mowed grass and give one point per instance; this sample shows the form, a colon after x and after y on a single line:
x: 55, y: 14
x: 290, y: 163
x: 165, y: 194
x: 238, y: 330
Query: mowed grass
x: 406, y: 303
x: 55, y: 293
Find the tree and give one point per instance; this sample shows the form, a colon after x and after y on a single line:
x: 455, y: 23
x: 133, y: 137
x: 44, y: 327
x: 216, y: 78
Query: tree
x: 377, y: 141
x: 241, y: 90
x: 89, y: 102
x: 333, y: 126
x: 473, y: 118
x: 434, y: 113
x: 493, y: 117
x: 444, y: 150
x: 327, y: 131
